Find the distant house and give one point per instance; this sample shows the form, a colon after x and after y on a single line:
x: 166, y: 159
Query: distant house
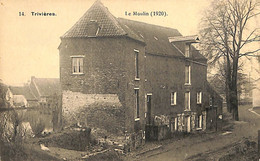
x: 44, y: 88
x: 256, y: 93
x: 133, y: 78
x: 21, y: 96
x: 33, y: 94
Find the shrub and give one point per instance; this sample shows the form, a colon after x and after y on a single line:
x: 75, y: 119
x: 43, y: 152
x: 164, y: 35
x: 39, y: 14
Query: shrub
x: 38, y: 128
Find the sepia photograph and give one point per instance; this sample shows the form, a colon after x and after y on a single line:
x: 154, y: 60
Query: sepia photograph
x: 132, y: 80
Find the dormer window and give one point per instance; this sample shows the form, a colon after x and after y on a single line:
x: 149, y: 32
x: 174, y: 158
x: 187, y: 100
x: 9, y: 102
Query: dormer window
x: 187, y: 50
x: 98, y: 30
x: 92, y: 28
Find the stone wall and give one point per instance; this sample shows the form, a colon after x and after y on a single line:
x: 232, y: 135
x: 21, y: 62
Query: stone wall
x: 103, y: 111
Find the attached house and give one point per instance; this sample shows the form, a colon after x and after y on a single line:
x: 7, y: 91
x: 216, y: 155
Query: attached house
x: 132, y: 78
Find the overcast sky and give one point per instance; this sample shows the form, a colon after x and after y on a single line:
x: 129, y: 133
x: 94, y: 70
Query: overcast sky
x: 28, y: 44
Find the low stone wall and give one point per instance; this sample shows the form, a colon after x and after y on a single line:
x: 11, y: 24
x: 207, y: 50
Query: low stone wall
x: 102, y: 111
x: 104, y: 114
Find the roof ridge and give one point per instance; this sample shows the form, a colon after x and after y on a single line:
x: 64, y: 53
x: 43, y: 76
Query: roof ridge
x: 113, y: 18
x: 37, y: 88
x: 97, y: 4
x: 149, y: 24
x: 130, y: 33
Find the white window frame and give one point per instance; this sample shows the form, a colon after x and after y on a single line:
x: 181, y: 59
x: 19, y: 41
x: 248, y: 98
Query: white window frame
x: 79, y: 67
x: 188, y: 107
x: 189, y: 75
x: 173, y: 98
x: 200, y: 121
x: 137, y: 105
x: 176, y: 124
x: 137, y: 73
x: 188, y: 123
x: 187, y: 50
x: 199, y: 97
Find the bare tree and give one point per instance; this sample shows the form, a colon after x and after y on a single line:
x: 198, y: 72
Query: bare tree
x: 225, y: 33
x: 217, y: 81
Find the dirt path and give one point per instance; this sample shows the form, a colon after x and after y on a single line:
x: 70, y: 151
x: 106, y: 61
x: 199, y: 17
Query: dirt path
x: 183, y: 149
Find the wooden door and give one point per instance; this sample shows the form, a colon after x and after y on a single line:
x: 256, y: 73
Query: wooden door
x: 149, y: 109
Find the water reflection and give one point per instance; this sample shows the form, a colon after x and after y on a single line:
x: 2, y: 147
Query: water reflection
x: 25, y: 122
x: 37, y: 117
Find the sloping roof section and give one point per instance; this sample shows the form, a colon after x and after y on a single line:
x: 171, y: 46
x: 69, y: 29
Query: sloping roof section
x: 99, y: 22
x: 99, y: 14
x: 47, y: 86
x: 196, y: 54
x: 23, y: 90
x: 155, y: 37
x: 20, y: 100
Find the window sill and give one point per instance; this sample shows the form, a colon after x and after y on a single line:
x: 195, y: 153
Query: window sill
x: 187, y: 110
x: 199, y: 129
x: 137, y: 79
x: 77, y: 74
x: 187, y: 84
x: 198, y: 103
x: 173, y: 104
x: 77, y: 56
x: 137, y: 119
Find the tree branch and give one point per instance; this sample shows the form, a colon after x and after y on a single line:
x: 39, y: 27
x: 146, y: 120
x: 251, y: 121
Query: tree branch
x: 248, y: 53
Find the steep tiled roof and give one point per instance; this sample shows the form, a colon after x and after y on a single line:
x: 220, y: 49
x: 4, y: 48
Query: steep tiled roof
x: 47, y: 86
x: 155, y: 37
x: 99, y: 22
x: 23, y: 90
x: 100, y: 14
